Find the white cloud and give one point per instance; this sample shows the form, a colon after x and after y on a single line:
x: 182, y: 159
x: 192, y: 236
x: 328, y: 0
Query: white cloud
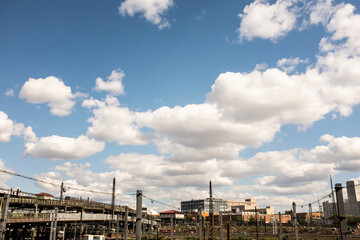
x: 151, y: 10
x: 321, y: 12
x: 3, y: 176
x: 8, y: 128
x: 343, y: 151
x: 263, y: 20
x: 62, y: 148
x: 50, y: 90
x: 113, y: 85
x: 123, y: 130
x: 10, y: 92
x: 289, y: 64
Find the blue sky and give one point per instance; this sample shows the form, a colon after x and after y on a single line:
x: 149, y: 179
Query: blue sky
x: 262, y: 97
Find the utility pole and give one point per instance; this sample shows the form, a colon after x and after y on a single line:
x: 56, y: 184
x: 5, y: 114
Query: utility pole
x: 295, y: 222
x: 341, y: 212
x: 117, y: 226
x: 126, y: 223
x: 51, y: 225
x: 221, y: 226
x: 113, y: 206
x: 55, y: 223
x: 211, y: 214
x: 172, y: 228
x: 280, y: 227
x: 4, y: 212
x: 310, y: 213
x: 200, y: 224
x: 332, y: 196
x: 61, y: 191
x: 81, y: 223
x: 228, y: 231
x: 138, y: 214
x: 257, y: 223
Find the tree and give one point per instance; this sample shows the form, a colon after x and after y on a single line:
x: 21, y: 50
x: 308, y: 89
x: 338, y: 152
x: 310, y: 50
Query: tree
x: 189, y: 217
x: 240, y: 219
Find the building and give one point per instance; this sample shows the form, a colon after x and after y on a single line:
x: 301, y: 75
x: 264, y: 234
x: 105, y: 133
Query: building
x: 176, y: 216
x: 353, y: 192
x: 351, y: 205
x: 193, y: 205
x: 248, y: 204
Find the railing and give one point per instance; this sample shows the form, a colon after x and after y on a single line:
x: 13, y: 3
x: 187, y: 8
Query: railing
x: 45, y: 217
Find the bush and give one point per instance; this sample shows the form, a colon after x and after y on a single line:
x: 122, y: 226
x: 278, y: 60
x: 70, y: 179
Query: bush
x: 285, y: 237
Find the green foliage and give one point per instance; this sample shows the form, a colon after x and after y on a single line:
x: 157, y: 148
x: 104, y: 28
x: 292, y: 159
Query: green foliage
x: 240, y: 219
x: 352, y: 220
x: 240, y: 238
x: 189, y: 217
x: 285, y: 237
x: 252, y: 219
x: 190, y: 238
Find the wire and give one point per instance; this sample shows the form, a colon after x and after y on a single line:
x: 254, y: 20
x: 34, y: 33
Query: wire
x: 153, y: 200
x: 59, y: 185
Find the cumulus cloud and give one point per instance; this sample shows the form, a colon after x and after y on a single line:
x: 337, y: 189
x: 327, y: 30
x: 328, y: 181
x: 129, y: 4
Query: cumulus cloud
x: 8, y: 127
x: 321, y: 12
x: 261, y: 19
x: 52, y: 91
x: 113, y: 85
x: 3, y: 176
x: 123, y: 130
x: 61, y: 148
x: 151, y: 10
x: 342, y: 151
x: 289, y: 64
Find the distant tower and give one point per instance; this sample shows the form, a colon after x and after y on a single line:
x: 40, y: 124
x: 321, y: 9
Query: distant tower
x: 353, y: 192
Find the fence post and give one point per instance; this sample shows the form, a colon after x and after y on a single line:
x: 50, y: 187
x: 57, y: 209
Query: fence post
x: 138, y: 214
x: 4, y: 212
x: 341, y: 212
x: 295, y: 221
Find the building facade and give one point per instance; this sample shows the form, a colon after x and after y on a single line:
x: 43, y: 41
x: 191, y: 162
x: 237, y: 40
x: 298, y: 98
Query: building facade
x: 193, y: 205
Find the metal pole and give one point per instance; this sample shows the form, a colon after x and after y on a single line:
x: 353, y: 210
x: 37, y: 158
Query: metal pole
x: 211, y: 214
x: 81, y: 218
x: 310, y: 213
x: 55, y: 223
x: 61, y: 191
x: 333, y: 197
x: 4, y: 213
x: 257, y: 230
x: 126, y: 223
x: 75, y: 232
x: 228, y: 231
x: 51, y: 225
x: 295, y: 221
x: 280, y: 227
x: 64, y: 232
x: 221, y: 227
x: 172, y: 228
x: 341, y: 212
x: 138, y: 214
x: 117, y: 227
x: 200, y: 224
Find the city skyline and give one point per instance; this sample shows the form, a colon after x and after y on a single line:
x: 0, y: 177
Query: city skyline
x: 261, y: 97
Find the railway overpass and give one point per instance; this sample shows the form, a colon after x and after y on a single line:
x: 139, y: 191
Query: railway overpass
x: 30, y: 216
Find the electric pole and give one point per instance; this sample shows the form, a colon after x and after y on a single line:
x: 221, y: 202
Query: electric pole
x: 211, y: 214
x: 138, y: 214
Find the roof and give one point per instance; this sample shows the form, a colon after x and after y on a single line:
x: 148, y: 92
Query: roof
x: 171, y: 211
x: 44, y: 194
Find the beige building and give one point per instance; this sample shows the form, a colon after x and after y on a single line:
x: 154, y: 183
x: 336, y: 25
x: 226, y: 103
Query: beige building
x: 248, y: 204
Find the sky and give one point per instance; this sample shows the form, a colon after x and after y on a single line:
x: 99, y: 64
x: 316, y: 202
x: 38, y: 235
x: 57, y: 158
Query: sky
x: 260, y: 97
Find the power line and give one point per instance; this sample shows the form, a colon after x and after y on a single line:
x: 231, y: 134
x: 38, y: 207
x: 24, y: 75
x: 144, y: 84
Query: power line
x: 58, y: 185
x: 153, y: 200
